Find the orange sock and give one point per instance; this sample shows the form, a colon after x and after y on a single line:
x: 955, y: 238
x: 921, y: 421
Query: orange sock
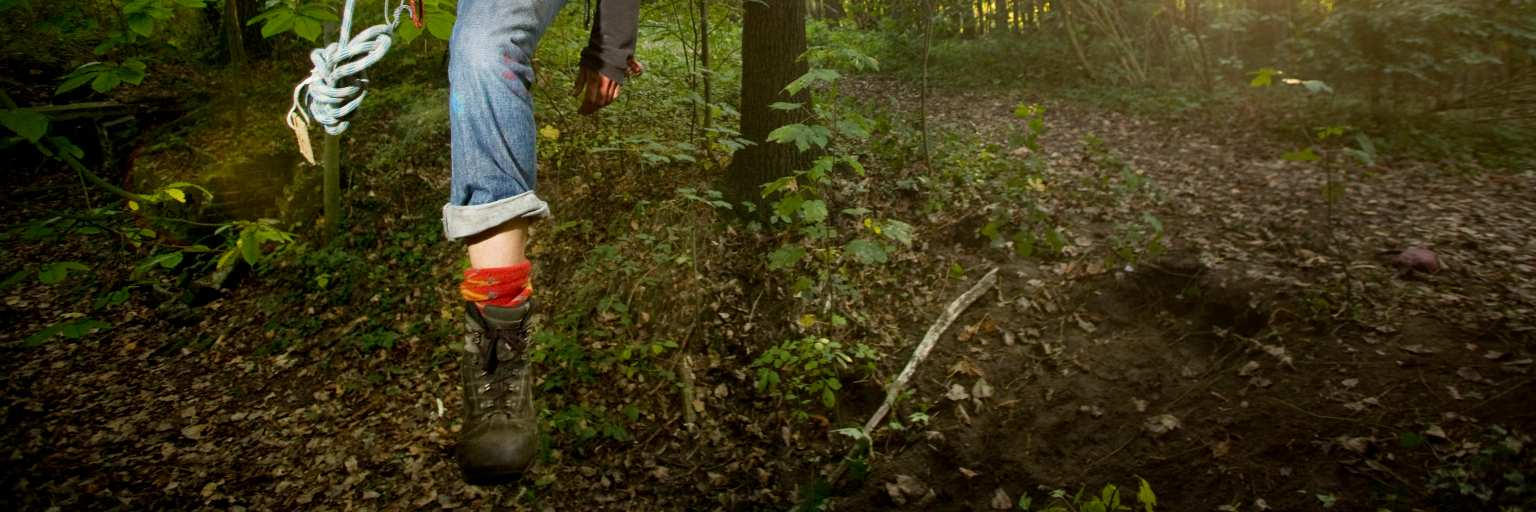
x: 505, y: 287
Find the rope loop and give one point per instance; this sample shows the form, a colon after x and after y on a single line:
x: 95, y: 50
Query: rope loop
x: 331, y: 89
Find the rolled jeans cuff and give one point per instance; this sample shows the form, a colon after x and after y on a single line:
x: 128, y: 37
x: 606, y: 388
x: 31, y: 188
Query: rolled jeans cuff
x: 464, y: 221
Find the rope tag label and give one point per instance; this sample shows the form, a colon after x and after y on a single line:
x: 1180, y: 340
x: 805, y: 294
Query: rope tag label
x: 301, y: 132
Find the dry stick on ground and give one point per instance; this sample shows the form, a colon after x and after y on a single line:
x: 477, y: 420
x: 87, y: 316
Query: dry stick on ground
x: 929, y: 340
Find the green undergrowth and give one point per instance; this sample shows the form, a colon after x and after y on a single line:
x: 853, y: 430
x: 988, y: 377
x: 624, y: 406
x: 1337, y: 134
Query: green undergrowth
x: 1038, y: 66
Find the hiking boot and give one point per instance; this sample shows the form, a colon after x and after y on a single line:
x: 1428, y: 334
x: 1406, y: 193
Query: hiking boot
x: 500, y: 432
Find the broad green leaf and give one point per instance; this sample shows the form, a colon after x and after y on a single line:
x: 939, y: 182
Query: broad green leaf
x: 813, y: 211
x: 250, y: 250
x: 1264, y: 77
x: 785, y: 257
x: 307, y: 28
x: 812, y: 78
x: 278, y: 23
x: 131, y: 72
x: 786, y: 207
x: 178, y: 195
x: 784, y: 105
x: 866, y: 251
x: 141, y: 24
x: 440, y: 24
x: 105, y: 82
x: 802, y: 136
x: 1146, y: 497
x: 1301, y: 155
x: 898, y: 231
x: 184, y: 185
x: 80, y: 76
x: 408, y: 32
x: 169, y: 260
x: 28, y: 124
x: 53, y: 273
x: 74, y: 329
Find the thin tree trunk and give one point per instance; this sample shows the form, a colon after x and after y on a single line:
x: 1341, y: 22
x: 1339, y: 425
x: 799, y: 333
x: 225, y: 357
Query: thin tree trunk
x: 923, y: 94
x: 232, y: 36
x: 705, y: 76
x: 1077, y: 46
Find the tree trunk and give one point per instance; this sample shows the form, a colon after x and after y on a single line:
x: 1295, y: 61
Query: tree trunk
x: 1000, y: 16
x: 232, y: 36
x: 772, y: 40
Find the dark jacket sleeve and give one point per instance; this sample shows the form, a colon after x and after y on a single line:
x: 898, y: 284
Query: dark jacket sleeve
x: 613, y: 38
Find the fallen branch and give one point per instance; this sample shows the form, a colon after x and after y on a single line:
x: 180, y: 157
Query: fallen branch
x: 896, y: 387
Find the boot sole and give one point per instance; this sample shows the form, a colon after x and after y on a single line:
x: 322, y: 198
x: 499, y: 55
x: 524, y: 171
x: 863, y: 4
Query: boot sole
x: 486, y: 477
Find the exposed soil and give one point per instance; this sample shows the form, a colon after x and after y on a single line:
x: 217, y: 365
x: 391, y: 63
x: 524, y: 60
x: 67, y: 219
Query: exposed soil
x: 1203, y: 371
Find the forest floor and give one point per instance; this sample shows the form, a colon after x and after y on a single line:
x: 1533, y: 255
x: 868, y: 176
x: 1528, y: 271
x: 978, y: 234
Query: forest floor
x: 1236, y: 369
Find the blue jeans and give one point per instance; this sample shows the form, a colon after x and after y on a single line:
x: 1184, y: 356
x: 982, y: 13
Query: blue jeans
x: 495, y: 163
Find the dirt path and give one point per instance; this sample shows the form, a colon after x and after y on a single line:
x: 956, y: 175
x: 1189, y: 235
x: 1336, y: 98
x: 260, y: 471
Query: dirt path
x: 1232, y: 371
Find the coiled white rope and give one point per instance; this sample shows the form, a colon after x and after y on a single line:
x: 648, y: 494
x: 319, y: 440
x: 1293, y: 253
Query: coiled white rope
x: 329, y: 98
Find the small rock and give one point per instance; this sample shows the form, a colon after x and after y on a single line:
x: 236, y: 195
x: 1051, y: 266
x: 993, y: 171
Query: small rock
x: 910, y: 485
x: 895, y: 493
x: 1417, y: 259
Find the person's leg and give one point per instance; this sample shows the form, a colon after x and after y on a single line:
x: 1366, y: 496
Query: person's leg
x: 500, y: 247
x: 491, y: 206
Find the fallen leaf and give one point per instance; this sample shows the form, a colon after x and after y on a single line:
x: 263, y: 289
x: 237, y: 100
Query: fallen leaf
x: 194, y: 432
x: 1436, y: 432
x: 1220, y: 449
x: 910, y: 485
x: 1161, y: 424
x: 981, y: 389
x: 957, y: 393
x: 1355, y: 444
x: 1417, y: 350
x: 1001, y: 501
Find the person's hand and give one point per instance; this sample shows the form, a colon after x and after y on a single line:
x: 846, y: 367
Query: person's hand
x: 597, y: 90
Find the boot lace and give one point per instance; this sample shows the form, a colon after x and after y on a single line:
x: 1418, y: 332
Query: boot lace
x: 502, y: 381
